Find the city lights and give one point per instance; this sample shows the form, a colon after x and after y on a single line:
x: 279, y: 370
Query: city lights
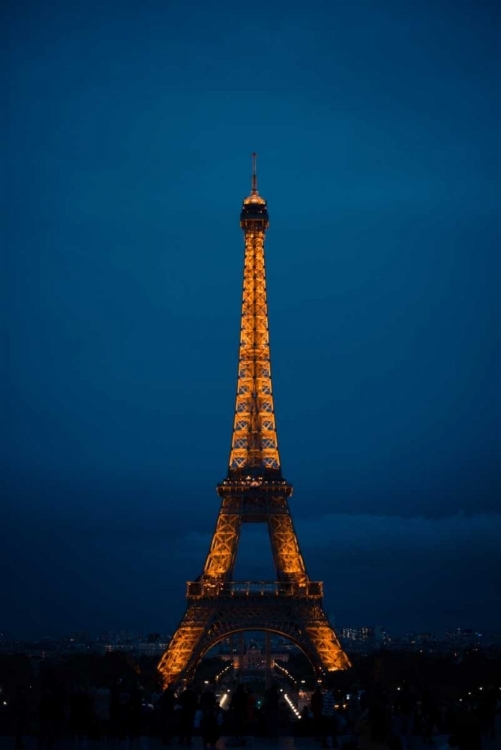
x: 292, y: 706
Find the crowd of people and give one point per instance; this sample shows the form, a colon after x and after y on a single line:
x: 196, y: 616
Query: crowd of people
x: 369, y: 720
x: 124, y: 711
x: 362, y: 719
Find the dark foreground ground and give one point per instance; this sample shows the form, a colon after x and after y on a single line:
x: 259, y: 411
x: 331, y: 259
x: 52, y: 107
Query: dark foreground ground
x: 225, y: 743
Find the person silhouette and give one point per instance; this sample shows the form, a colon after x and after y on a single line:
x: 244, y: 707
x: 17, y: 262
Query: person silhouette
x: 165, y: 710
x: 209, y: 722
x: 102, y: 703
x: 188, y: 703
x: 238, y: 709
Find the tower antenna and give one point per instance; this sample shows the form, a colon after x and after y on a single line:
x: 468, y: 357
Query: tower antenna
x: 254, y: 173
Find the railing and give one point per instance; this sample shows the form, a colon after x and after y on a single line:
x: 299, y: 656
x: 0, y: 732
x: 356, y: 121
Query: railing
x: 255, y: 589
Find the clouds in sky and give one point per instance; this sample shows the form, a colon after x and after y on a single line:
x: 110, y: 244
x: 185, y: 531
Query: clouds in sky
x: 131, y: 571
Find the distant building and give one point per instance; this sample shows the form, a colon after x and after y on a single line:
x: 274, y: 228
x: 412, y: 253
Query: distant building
x: 254, y: 657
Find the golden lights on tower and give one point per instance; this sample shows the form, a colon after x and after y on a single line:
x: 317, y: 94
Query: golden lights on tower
x: 253, y: 492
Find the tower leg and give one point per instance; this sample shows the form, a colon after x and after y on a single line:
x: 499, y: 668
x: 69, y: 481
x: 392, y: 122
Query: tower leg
x: 223, y: 550
x: 324, y: 642
x: 184, y: 643
x: 285, y: 547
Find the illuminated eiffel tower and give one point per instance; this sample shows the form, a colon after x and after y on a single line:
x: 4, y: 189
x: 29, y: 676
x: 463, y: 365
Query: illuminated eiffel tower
x: 254, y: 491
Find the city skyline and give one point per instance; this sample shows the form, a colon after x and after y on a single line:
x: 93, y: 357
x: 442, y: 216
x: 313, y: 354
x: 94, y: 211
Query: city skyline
x: 127, y: 159
x: 347, y: 632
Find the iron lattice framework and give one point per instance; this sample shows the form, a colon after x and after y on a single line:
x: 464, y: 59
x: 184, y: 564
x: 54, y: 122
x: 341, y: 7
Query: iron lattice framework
x: 254, y: 491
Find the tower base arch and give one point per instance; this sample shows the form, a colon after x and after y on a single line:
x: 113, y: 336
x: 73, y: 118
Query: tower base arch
x: 207, y: 622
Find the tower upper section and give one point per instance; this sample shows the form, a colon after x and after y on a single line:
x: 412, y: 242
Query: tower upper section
x: 254, y: 448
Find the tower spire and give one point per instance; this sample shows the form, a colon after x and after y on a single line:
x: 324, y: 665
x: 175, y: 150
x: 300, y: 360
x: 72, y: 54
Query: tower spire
x: 254, y: 173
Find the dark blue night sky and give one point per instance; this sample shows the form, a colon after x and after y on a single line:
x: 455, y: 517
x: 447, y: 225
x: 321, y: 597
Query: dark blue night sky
x: 127, y: 157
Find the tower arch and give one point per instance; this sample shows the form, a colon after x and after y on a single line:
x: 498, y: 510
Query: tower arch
x: 259, y: 628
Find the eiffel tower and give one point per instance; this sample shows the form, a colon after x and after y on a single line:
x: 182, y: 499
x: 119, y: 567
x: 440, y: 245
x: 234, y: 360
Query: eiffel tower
x: 254, y: 491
